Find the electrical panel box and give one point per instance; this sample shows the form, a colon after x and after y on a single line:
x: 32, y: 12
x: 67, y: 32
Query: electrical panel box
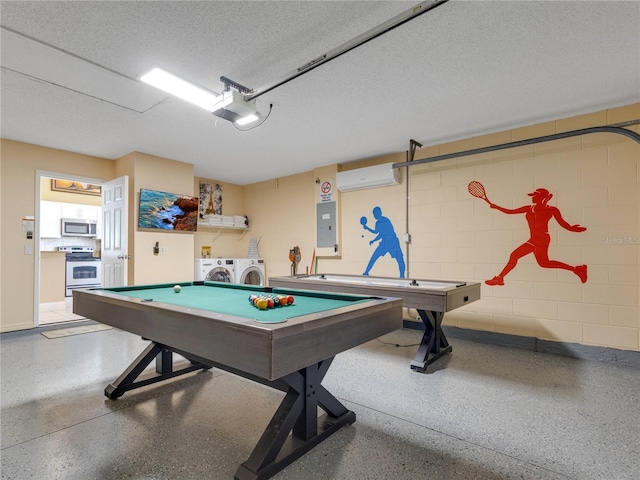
x: 326, y: 226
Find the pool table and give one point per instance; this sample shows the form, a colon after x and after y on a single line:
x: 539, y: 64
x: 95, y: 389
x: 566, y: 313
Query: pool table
x: 290, y: 348
x: 431, y: 298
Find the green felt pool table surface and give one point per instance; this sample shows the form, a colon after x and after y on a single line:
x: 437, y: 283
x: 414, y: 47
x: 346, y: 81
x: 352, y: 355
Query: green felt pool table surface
x: 233, y: 299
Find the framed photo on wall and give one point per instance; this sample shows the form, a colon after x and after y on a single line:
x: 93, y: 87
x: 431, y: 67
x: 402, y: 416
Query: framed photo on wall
x: 71, y: 186
x: 210, y: 198
x: 167, y: 211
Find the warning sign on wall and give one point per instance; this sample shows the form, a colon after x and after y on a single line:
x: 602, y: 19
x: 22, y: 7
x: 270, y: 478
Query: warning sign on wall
x: 326, y: 192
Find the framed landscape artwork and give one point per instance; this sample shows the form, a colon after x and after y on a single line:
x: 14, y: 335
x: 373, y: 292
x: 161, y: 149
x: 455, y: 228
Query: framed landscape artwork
x: 71, y: 186
x: 167, y: 211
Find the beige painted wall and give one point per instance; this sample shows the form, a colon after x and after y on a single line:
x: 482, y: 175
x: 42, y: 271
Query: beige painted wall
x: 18, y: 179
x: 18, y: 173
x: 282, y: 214
x: 595, y: 181
x: 176, y: 264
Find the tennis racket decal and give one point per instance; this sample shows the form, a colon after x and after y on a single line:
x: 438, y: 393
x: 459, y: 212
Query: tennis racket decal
x: 477, y: 190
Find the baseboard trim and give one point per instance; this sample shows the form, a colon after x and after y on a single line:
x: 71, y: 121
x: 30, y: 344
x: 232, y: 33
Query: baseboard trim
x: 16, y: 327
x: 628, y: 358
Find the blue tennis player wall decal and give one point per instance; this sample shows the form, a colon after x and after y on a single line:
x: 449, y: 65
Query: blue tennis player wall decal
x: 538, y: 215
x: 385, y: 234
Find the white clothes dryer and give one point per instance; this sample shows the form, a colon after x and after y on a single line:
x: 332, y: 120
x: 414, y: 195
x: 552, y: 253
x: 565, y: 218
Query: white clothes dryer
x: 250, y: 271
x: 214, y: 270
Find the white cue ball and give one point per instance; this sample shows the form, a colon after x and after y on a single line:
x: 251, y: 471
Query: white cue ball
x: 177, y: 288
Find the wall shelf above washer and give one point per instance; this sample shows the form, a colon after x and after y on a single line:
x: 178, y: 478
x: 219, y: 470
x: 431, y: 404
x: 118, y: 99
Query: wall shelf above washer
x: 223, y: 221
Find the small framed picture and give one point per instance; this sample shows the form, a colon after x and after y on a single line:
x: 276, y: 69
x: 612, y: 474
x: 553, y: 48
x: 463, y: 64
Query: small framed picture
x: 71, y: 186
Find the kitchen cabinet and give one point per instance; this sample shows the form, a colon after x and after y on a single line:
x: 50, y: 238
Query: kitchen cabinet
x: 74, y: 210
x: 52, y: 213
x: 50, y: 216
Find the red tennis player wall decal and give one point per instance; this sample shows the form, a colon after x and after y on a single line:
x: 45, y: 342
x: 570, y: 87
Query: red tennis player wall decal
x: 538, y: 216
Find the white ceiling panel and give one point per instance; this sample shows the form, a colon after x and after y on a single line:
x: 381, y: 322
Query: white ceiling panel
x: 465, y: 68
x: 56, y: 67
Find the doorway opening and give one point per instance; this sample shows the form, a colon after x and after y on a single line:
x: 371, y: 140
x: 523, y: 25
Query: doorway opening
x: 68, y: 245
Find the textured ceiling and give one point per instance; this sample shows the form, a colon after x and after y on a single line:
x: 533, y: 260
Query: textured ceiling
x: 70, y: 69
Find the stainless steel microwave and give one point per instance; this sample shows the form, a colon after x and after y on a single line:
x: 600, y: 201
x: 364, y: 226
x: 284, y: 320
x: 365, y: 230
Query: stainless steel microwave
x: 78, y: 227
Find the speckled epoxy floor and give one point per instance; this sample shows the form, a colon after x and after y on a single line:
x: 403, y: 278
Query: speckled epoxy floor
x: 483, y: 412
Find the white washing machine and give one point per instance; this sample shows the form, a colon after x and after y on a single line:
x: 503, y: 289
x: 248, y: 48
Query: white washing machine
x: 214, y: 270
x: 250, y: 271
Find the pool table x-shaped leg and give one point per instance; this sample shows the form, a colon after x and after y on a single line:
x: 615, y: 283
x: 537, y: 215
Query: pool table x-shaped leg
x: 163, y: 356
x: 434, y: 344
x: 298, y: 414
x: 295, y: 427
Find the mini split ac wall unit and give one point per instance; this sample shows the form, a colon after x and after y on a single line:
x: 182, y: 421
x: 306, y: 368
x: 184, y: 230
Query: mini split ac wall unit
x: 368, y: 177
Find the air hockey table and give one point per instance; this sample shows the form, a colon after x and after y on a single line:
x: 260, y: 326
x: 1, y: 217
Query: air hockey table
x: 431, y: 298
x: 290, y: 348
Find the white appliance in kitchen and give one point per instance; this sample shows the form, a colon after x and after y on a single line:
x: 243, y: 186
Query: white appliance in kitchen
x: 79, y: 227
x: 82, y: 269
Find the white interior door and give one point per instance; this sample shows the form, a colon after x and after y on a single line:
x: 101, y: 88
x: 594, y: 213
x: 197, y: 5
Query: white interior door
x: 115, y: 206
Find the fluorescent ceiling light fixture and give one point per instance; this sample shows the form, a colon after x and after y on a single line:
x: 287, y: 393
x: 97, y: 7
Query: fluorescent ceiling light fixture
x: 181, y: 89
x: 246, y: 120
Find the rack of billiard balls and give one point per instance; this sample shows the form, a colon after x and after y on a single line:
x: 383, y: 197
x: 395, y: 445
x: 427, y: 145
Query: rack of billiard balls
x: 263, y: 302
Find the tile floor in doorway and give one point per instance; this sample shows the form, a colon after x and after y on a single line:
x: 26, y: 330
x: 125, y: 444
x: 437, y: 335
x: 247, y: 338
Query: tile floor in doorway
x: 58, y: 312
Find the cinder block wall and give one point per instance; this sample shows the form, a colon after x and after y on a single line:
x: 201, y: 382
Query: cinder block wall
x: 595, y: 182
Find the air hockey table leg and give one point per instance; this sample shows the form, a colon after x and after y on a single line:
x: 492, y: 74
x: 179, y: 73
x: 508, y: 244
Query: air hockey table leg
x: 434, y: 344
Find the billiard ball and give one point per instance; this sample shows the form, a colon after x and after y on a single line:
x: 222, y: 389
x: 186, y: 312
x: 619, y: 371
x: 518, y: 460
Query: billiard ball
x: 262, y: 304
x: 177, y: 288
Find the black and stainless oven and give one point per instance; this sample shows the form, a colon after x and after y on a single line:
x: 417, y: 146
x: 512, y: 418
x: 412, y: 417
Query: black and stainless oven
x: 82, y: 269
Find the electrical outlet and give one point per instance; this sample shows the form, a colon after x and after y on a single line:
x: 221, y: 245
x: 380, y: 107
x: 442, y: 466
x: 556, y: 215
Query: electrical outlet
x: 28, y: 250
x: 161, y: 250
